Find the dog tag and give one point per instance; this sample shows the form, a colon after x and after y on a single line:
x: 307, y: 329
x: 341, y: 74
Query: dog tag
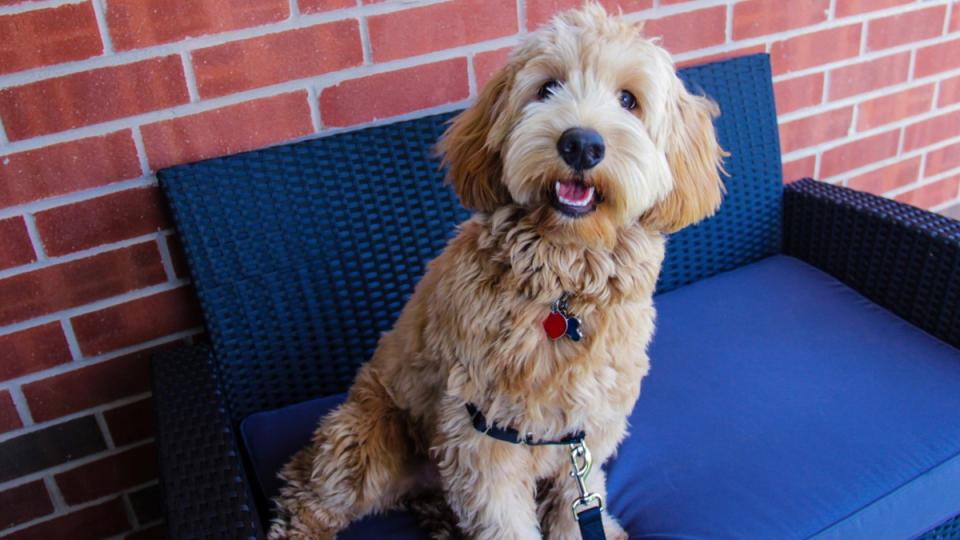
x: 573, y: 329
x: 556, y: 325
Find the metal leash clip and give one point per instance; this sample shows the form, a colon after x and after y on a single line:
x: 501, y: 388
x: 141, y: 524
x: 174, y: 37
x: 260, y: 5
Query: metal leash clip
x: 582, y: 463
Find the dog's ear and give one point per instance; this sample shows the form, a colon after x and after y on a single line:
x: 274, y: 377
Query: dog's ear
x: 473, y: 161
x: 695, y: 160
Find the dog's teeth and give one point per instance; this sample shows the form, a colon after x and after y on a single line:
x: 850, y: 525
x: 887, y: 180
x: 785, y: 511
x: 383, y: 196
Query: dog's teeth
x: 585, y: 201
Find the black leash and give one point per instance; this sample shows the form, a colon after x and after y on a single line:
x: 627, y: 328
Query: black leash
x: 587, y: 509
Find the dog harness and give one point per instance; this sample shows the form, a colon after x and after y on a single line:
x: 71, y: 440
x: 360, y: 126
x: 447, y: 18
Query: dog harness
x: 588, y: 506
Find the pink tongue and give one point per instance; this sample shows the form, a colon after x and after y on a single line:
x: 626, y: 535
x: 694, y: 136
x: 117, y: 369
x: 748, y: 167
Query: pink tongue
x: 573, y: 191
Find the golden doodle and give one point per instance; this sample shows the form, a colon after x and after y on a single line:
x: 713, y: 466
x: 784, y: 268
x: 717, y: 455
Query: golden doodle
x: 576, y: 157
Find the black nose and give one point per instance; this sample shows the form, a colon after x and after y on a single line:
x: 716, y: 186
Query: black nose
x: 581, y: 148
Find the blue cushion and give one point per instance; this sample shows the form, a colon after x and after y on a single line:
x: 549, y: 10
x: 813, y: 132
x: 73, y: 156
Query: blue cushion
x: 780, y: 404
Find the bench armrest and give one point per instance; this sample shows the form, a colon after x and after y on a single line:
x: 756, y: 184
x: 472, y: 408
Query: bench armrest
x: 202, y: 477
x: 899, y: 256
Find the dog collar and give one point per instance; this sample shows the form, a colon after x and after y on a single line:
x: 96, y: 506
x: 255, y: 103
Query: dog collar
x: 511, y: 435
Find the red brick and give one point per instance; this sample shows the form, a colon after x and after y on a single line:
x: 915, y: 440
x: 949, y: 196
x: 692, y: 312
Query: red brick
x: 80, y: 282
x: 815, y: 49
x: 954, y: 18
x: 235, y: 128
x: 859, y: 153
x: 87, y: 387
x: 48, y: 447
x: 108, y: 475
x: 812, y: 130
x: 319, y: 6
x: 942, y: 160
x: 487, y: 63
x: 451, y: 24
x: 754, y: 18
x: 937, y: 58
x: 884, y: 179
x: 871, y: 75
x: 541, y: 11
x: 91, y: 97
x: 141, y: 23
x: 275, y: 58
x: 92, y: 523
x: 949, y: 91
x: 906, y: 27
x: 845, y: 8
x: 131, y: 423
x: 798, y: 93
x: 9, y: 419
x: 397, y: 92
x: 111, y: 218
x: 48, y: 36
x: 147, y: 503
x: 24, y: 503
x: 691, y: 30
x: 799, y: 168
x: 15, y: 246
x: 67, y: 167
x: 890, y: 108
x: 31, y: 350
x: 931, y: 131
x: 138, y: 321
x: 705, y: 59
x: 931, y: 195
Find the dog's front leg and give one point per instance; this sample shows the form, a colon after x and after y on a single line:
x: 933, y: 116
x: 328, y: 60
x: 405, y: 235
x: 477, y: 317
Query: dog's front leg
x: 489, y: 484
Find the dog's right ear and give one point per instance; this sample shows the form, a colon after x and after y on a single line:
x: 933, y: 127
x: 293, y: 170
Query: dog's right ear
x: 473, y: 161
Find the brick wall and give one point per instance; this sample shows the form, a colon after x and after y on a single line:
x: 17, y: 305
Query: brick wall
x: 96, y: 95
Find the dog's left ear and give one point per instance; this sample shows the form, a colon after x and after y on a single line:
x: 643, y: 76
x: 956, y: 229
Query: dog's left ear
x: 475, y: 167
x: 695, y: 160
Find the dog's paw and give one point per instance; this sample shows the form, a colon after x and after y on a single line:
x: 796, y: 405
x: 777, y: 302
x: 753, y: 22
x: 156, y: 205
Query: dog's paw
x: 303, y: 522
x: 295, y: 529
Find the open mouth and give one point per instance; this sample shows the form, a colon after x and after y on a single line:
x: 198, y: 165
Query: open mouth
x: 574, y: 198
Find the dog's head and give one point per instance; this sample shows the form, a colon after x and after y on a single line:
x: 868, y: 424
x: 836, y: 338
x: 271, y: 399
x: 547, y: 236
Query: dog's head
x: 589, y: 128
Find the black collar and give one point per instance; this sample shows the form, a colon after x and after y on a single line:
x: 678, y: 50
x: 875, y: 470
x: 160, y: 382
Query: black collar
x: 511, y: 435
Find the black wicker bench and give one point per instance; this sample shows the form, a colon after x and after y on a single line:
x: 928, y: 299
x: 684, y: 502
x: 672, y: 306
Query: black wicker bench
x: 805, y: 379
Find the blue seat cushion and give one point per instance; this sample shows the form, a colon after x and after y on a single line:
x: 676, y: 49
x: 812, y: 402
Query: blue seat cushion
x: 780, y: 404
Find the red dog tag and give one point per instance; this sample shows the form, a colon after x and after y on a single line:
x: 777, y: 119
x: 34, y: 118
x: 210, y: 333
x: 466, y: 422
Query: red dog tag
x: 555, y: 324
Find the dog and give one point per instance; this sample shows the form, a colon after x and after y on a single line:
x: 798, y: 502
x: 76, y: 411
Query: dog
x: 576, y: 158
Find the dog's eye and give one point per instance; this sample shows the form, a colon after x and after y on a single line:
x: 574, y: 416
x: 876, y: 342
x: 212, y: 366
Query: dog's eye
x: 547, y: 89
x: 627, y: 100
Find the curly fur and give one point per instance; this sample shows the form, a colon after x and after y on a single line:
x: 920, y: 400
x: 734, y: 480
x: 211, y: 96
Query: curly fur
x: 471, y: 332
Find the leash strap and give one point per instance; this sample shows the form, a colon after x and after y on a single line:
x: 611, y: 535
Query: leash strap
x: 587, y: 508
x: 591, y: 526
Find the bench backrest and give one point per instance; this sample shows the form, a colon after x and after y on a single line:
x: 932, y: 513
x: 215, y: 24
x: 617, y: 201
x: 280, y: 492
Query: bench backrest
x: 303, y: 254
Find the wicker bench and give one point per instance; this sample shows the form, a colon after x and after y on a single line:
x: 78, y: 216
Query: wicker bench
x: 805, y: 379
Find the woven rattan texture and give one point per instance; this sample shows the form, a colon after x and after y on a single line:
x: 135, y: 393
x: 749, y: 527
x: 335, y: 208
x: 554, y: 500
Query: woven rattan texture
x: 747, y: 227
x: 303, y: 254
x: 948, y: 531
x: 901, y: 257
x: 206, y: 494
